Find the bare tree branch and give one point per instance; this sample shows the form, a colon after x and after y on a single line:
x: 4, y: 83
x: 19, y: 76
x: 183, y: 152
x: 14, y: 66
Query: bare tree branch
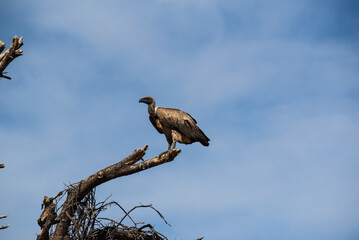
x: 143, y: 206
x: 6, y: 226
x: 9, y: 55
x: 2, y: 46
x: 48, y: 216
x: 125, y: 167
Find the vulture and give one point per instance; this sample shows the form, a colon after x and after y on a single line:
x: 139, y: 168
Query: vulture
x: 175, y: 124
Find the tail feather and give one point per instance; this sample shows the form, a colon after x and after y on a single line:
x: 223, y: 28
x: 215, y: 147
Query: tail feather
x: 202, y: 138
x: 204, y: 143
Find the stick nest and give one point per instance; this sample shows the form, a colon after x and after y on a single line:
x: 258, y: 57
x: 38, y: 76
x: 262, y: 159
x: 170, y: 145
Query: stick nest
x: 87, y: 224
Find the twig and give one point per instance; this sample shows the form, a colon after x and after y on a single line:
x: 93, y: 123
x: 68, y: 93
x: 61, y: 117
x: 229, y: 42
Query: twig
x: 6, y: 226
x: 110, y: 220
x: 145, y: 206
x: 123, y: 211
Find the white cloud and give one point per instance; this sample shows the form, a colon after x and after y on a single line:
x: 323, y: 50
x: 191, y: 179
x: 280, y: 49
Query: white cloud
x: 278, y: 110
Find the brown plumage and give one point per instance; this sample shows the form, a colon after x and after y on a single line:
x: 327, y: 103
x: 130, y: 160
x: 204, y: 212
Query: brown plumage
x: 175, y: 124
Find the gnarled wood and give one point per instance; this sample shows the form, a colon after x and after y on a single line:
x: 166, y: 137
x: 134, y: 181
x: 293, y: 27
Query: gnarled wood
x: 123, y: 168
x: 10, y: 54
x: 48, y: 216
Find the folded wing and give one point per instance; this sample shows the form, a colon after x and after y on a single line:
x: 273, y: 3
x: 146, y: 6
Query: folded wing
x: 180, y: 121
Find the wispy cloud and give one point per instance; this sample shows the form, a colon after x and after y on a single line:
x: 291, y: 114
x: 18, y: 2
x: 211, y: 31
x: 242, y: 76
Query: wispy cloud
x: 271, y: 85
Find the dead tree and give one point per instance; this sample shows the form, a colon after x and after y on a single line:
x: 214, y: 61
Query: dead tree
x: 5, y: 59
x: 9, y: 55
x: 77, y: 192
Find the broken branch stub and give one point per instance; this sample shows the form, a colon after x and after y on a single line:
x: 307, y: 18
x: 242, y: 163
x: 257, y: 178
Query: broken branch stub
x: 5, y: 226
x: 10, y: 54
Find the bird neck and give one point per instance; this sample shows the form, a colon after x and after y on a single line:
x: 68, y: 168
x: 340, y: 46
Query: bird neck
x: 151, y: 108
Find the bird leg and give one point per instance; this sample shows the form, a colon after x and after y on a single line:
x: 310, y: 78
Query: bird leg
x: 169, y: 146
x: 174, y: 145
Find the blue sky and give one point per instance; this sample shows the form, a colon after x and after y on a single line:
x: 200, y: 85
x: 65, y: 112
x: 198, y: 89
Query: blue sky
x: 274, y: 84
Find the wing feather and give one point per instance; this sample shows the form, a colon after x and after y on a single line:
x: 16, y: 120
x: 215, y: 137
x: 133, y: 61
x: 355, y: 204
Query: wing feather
x: 156, y: 124
x: 183, y: 123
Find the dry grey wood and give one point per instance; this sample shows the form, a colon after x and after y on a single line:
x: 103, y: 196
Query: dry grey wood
x: 125, y: 167
x: 10, y: 54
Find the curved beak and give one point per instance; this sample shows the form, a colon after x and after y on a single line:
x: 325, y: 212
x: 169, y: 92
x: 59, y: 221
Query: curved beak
x: 142, y: 100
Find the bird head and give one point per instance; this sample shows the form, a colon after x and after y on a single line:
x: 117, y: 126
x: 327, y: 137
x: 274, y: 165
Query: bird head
x: 147, y: 100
